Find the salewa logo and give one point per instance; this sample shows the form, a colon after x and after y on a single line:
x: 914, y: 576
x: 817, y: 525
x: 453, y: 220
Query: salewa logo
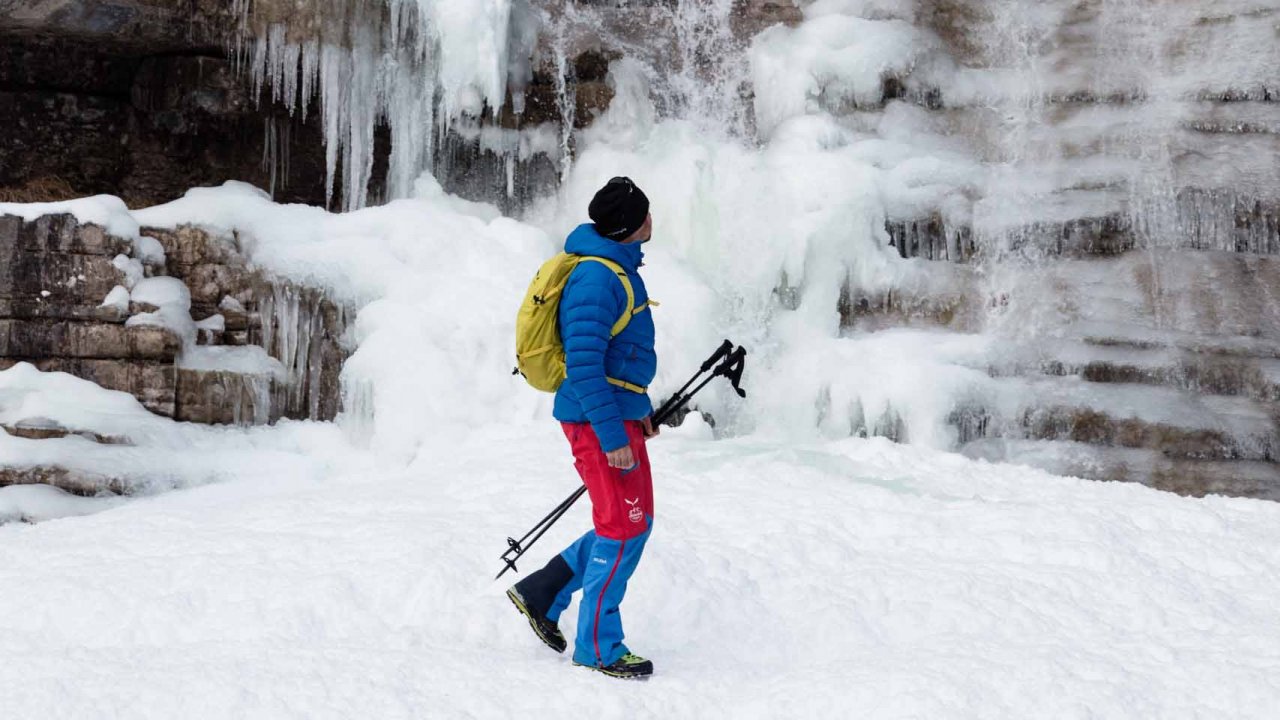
x: 602, y: 561
x: 636, y: 514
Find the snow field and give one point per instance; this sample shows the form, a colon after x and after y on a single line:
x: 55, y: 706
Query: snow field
x: 782, y: 580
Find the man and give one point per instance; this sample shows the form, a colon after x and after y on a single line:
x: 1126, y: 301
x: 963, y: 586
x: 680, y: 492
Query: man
x: 605, y: 413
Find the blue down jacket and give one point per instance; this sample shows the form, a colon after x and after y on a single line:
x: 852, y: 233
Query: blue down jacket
x: 592, y: 302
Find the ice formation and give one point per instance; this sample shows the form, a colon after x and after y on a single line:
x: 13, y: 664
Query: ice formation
x: 872, y: 138
x: 898, y: 217
x: 415, y: 65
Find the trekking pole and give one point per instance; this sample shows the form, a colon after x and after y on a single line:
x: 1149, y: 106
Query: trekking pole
x: 518, y: 546
x: 731, y: 368
x: 545, y: 525
x: 663, y: 412
x: 732, y: 363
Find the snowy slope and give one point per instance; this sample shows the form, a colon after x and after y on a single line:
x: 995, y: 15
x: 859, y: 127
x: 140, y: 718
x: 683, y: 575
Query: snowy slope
x: 852, y: 578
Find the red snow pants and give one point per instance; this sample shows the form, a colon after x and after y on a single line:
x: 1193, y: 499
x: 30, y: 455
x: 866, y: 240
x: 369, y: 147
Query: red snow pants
x: 621, y: 503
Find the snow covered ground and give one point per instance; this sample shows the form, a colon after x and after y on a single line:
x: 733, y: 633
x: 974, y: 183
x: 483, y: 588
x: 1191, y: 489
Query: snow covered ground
x: 826, y: 579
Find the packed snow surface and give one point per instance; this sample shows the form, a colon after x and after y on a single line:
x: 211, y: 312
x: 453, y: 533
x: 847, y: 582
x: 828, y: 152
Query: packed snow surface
x: 792, y: 580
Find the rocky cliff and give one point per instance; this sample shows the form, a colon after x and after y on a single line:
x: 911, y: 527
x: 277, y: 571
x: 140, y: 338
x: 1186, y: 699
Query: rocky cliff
x: 65, y: 306
x: 146, y: 98
x: 140, y: 99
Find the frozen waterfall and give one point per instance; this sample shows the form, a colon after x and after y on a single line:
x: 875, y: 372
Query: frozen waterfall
x: 1038, y: 231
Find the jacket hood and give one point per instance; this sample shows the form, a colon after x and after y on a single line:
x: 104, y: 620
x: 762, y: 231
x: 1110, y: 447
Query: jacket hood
x: 586, y: 241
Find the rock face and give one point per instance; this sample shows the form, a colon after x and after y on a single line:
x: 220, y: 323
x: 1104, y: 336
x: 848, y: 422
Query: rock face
x: 144, y: 99
x: 55, y: 274
x: 298, y: 326
x: 54, y: 277
x: 139, y: 99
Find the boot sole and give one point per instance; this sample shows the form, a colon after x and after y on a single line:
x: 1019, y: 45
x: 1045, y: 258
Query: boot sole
x: 620, y: 676
x: 515, y: 600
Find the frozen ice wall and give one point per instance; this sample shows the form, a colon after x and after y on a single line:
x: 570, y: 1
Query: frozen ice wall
x: 412, y: 80
x: 962, y: 223
x: 772, y: 216
x: 976, y: 224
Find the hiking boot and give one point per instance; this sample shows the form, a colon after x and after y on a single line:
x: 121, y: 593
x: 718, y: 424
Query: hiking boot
x: 628, y: 667
x: 546, y: 630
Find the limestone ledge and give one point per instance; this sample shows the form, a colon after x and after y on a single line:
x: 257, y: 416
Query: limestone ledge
x: 56, y: 272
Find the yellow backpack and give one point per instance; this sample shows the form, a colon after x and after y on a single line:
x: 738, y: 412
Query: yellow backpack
x: 539, y: 349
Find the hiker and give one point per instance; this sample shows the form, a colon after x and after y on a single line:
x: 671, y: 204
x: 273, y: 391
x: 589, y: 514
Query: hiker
x: 605, y: 411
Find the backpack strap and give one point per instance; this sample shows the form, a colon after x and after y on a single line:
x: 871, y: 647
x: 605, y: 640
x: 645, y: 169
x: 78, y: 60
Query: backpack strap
x: 627, y: 313
x: 625, y: 320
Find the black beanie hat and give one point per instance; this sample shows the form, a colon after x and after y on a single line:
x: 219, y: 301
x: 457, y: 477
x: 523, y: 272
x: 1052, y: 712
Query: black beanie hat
x: 619, y: 209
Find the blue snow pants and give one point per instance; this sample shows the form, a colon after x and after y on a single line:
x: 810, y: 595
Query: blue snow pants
x: 601, y: 568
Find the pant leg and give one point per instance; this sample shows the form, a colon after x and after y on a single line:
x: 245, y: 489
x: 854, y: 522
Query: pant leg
x: 575, y: 556
x: 621, y: 503
x: 622, y: 512
x: 600, y: 635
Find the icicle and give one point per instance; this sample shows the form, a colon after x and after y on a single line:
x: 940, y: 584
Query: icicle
x: 567, y: 104
x: 270, y: 151
x: 357, y: 417
x: 416, y: 65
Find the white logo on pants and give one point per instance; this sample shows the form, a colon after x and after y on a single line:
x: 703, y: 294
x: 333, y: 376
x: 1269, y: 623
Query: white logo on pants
x: 636, y: 514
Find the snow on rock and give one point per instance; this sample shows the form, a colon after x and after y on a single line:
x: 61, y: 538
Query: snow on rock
x: 172, y: 300
x: 38, y: 503
x: 213, y: 323
x: 170, y: 318
x: 231, y: 305
x: 436, y: 281
x: 148, y: 250
x: 162, y: 292
x: 108, y: 211
x: 117, y: 299
x: 131, y: 268
x: 70, y: 402
x: 242, y: 360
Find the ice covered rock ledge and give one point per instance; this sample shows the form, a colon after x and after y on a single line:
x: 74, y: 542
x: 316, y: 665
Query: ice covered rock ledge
x: 176, y: 317
x: 254, y: 302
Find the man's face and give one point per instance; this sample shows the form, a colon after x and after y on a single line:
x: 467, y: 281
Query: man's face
x: 644, y: 233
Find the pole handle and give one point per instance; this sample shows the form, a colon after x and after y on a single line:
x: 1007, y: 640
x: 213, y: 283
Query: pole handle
x: 725, y: 348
